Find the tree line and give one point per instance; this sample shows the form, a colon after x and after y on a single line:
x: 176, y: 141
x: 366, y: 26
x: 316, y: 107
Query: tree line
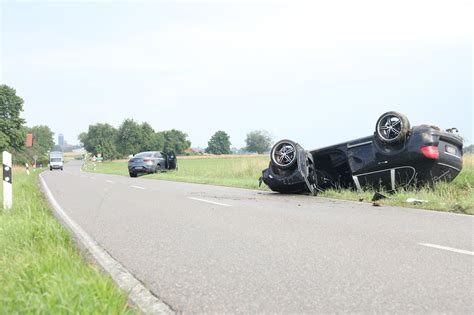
x: 258, y: 141
x: 469, y: 149
x: 102, y: 138
x: 130, y: 138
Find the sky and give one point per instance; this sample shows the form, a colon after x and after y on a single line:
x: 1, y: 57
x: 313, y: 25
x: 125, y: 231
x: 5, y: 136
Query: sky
x: 317, y: 72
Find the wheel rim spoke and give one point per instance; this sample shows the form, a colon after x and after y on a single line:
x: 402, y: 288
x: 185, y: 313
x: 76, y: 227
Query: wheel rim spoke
x: 284, y: 154
x: 390, y: 128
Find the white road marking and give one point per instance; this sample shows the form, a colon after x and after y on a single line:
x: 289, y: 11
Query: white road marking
x: 138, y: 187
x: 138, y: 293
x: 110, y: 181
x: 213, y: 202
x: 455, y: 250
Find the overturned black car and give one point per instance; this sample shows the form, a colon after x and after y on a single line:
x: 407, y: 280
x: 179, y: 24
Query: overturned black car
x: 396, y: 155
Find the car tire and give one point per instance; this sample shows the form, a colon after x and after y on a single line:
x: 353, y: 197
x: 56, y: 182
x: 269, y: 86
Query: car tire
x: 50, y: 168
x: 283, y: 154
x: 392, y: 127
x: 133, y: 174
x: 157, y: 168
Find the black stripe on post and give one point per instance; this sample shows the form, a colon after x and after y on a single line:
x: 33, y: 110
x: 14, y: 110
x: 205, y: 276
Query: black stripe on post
x: 7, y: 173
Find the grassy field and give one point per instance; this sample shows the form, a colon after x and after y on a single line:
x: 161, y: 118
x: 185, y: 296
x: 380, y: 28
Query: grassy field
x: 457, y: 196
x: 41, y: 271
x: 69, y: 156
x: 226, y: 171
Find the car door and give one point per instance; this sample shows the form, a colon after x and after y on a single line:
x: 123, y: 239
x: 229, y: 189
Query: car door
x: 369, y: 168
x: 171, y: 160
x: 158, y: 158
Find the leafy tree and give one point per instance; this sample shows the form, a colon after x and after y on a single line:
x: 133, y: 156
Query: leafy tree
x: 129, y: 137
x: 82, y: 137
x: 149, y: 138
x: 258, y: 141
x: 219, y: 143
x: 133, y: 138
x: 159, y: 141
x: 101, y: 138
x: 175, y: 141
x: 12, y: 130
x: 42, y: 142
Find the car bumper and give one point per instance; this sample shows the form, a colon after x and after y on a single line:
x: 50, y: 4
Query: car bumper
x: 439, y: 170
x: 140, y: 169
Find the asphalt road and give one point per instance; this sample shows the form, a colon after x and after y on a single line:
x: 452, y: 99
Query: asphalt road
x: 208, y: 249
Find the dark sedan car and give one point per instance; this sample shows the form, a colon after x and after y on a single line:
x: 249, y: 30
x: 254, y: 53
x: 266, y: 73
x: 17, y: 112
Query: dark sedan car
x: 151, y: 162
x: 396, y: 155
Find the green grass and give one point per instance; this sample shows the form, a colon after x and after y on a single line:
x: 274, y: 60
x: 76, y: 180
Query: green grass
x: 41, y: 271
x: 456, y: 196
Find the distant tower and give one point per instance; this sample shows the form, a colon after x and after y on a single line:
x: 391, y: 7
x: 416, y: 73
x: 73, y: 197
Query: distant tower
x: 61, y: 140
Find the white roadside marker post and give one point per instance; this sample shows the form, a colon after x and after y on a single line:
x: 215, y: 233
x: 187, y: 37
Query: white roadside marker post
x: 7, y: 180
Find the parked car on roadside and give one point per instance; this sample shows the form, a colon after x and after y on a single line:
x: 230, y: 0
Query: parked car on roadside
x: 396, y: 155
x: 151, y: 162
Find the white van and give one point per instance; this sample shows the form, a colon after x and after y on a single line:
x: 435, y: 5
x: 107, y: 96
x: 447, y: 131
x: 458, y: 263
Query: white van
x: 56, y: 160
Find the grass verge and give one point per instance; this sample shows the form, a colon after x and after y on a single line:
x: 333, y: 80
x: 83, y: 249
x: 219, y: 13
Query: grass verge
x: 41, y: 271
x: 237, y: 171
x: 226, y: 171
x: 456, y: 196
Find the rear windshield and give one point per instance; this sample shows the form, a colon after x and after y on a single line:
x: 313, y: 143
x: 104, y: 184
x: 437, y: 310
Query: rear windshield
x: 55, y: 159
x: 144, y: 154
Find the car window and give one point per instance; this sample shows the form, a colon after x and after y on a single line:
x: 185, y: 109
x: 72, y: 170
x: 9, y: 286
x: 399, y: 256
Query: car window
x: 157, y: 155
x: 144, y: 155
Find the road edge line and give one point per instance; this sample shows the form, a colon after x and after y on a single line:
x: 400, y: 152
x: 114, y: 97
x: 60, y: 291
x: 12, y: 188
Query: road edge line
x: 138, y: 293
x: 450, y: 249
